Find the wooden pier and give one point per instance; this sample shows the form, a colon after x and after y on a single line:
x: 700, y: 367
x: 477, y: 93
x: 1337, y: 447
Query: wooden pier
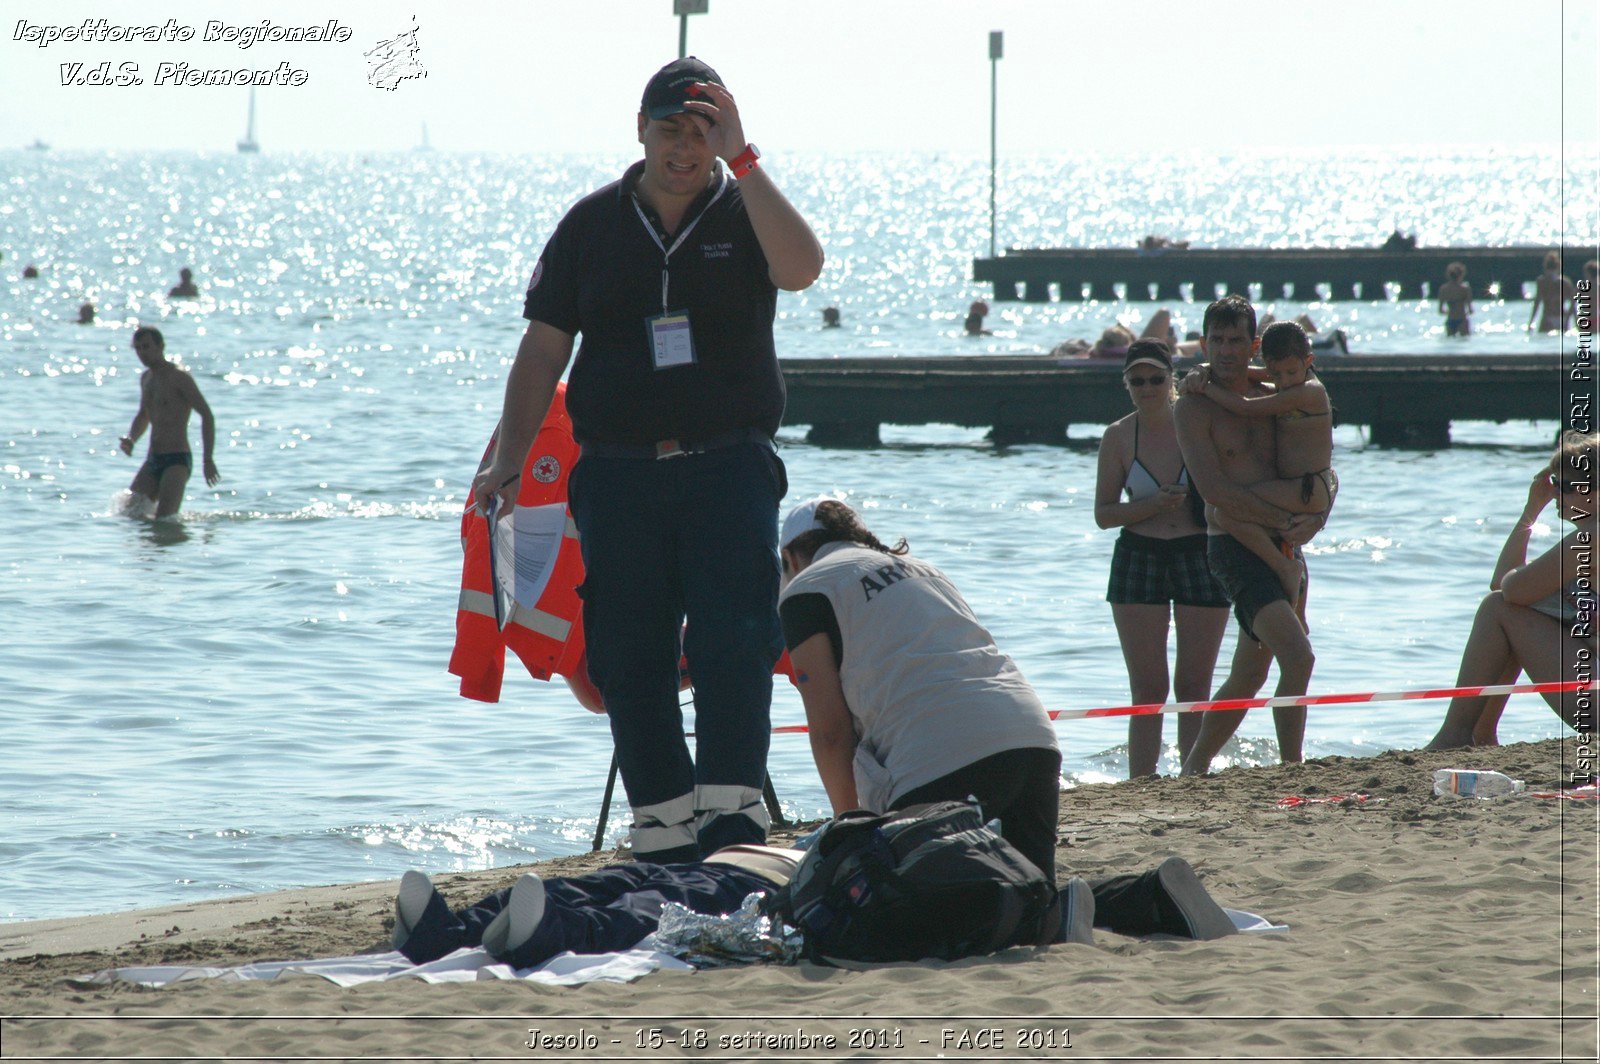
x: 1406, y: 401
x: 1039, y: 275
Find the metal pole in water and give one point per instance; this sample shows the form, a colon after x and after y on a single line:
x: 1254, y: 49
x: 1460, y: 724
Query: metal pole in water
x: 683, y: 9
x: 996, y: 50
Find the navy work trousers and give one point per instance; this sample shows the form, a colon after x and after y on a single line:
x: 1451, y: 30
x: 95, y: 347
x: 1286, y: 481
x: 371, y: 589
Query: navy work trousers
x: 666, y: 541
x: 614, y: 908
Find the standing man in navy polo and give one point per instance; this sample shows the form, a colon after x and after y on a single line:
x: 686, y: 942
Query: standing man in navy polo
x: 671, y: 276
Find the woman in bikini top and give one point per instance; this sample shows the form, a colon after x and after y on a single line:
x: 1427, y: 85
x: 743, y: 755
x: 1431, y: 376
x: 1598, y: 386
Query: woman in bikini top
x: 1159, y: 578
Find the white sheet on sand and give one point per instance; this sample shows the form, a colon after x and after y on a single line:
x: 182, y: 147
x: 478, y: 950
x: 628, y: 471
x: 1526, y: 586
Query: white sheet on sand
x: 1251, y: 924
x: 469, y: 965
x: 462, y: 966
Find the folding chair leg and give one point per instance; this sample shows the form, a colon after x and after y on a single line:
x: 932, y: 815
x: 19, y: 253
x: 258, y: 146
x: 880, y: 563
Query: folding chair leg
x: 774, y: 810
x: 605, y: 805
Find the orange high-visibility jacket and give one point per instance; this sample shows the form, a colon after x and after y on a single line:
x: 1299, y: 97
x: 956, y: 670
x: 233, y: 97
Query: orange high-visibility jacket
x: 548, y: 634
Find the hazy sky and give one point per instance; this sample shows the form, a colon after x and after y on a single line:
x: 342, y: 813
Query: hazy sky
x: 1095, y: 75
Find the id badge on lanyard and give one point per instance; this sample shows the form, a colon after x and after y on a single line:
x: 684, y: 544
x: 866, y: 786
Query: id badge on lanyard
x: 671, y: 340
x: 671, y: 337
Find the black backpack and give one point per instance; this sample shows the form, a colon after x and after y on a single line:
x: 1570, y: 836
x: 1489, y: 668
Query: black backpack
x: 927, y: 881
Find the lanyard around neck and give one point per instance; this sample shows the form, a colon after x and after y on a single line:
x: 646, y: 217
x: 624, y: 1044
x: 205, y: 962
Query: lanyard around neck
x: 683, y: 234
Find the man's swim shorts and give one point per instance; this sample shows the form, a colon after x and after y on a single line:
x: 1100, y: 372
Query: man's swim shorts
x: 1249, y: 582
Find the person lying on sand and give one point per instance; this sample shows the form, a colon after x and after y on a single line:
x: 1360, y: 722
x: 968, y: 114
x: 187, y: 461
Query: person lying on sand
x: 617, y: 907
x: 612, y: 909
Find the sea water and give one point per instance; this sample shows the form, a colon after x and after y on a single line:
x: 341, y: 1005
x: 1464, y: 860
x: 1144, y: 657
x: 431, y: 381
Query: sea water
x: 254, y: 696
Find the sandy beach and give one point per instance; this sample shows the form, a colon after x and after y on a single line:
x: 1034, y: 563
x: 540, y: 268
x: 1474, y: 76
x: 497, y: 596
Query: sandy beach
x: 1421, y: 928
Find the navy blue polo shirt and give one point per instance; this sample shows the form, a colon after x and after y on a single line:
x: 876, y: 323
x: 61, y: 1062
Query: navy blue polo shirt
x: 600, y: 278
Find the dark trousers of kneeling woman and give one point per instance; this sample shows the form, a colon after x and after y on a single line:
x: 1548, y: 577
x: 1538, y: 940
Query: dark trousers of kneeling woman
x: 1022, y: 790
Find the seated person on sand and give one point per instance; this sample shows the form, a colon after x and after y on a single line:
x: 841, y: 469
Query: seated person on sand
x: 973, y: 326
x: 1304, y: 415
x: 1455, y: 301
x: 1531, y: 621
x: 185, y: 288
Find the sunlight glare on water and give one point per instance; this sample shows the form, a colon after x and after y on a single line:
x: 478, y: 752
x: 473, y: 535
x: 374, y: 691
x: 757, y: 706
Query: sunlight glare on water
x: 254, y: 696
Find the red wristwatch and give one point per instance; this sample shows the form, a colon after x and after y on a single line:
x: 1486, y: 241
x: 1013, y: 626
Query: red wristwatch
x: 745, y: 162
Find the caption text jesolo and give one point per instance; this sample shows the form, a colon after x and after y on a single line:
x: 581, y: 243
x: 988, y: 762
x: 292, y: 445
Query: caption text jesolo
x: 101, y: 31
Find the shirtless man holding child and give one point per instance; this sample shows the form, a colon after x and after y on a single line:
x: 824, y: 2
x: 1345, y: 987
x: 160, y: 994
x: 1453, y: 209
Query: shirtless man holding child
x: 1303, y: 430
x: 167, y: 395
x: 1227, y: 455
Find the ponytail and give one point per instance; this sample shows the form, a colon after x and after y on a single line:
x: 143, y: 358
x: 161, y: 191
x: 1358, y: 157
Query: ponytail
x: 840, y: 524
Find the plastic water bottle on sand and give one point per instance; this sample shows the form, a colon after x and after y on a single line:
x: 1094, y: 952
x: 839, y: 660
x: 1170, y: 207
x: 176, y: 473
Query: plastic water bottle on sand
x: 1474, y: 783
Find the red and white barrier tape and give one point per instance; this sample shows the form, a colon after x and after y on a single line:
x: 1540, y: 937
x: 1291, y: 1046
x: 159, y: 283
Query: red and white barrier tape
x: 1301, y: 700
x: 1324, y: 700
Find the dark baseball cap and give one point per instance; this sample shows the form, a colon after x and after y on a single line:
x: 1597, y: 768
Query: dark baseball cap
x: 1150, y: 351
x: 672, y: 85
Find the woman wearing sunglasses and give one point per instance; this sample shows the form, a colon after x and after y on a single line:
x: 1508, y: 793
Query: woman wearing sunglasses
x: 1159, y: 574
x: 1539, y: 616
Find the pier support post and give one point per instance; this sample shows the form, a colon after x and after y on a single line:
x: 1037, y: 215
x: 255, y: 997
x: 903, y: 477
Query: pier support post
x: 1035, y: 291
x: 1411, y: 435
x: 844, y: 434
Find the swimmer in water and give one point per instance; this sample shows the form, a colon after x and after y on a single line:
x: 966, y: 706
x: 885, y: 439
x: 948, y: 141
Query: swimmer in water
x: 167, y: 394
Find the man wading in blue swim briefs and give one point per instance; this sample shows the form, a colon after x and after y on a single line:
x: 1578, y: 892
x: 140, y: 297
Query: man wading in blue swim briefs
x: 1225, y: 453
x: 671, y: 275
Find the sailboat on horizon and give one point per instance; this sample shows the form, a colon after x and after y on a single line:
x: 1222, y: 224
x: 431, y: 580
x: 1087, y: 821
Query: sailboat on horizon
x: 248, y: 144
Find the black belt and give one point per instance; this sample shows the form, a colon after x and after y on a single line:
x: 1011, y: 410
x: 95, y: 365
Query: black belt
x: 675, y: 448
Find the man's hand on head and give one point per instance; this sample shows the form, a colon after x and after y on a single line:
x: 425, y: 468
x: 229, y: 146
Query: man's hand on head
x: 725, y: 135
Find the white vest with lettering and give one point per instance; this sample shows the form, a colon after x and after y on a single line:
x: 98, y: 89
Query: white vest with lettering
x: 928, y: 689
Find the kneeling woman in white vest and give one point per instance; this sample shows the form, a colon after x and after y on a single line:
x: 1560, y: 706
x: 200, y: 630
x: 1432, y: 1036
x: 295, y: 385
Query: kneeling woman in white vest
x: 907, y: 698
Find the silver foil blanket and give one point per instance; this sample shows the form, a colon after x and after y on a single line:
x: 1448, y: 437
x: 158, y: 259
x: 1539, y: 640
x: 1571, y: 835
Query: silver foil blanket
x: 744, y: 937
